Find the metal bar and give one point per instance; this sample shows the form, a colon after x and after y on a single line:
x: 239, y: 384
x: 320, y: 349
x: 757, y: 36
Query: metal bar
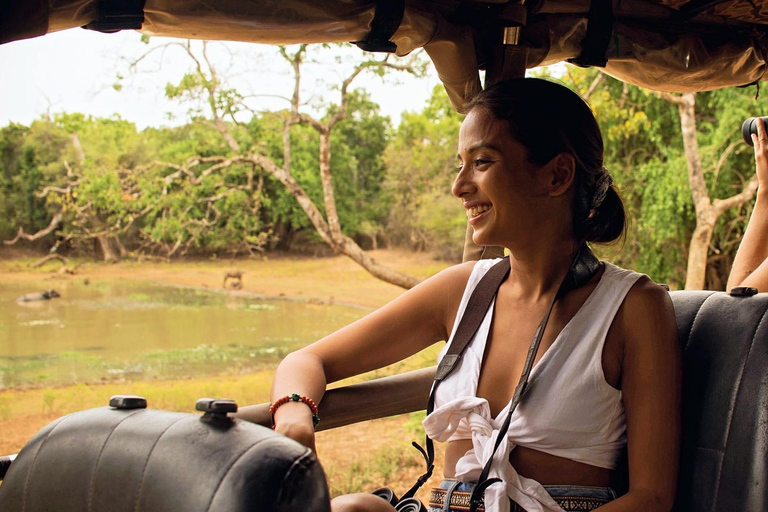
x: 378, y: 398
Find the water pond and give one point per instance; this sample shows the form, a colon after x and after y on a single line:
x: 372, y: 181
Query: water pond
x: 134, y: 330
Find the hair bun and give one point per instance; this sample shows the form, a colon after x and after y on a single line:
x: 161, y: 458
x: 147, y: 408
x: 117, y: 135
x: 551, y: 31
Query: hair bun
x: 602, y: 185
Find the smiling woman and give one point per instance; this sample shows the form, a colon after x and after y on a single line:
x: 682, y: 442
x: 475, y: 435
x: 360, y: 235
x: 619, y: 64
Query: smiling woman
x: 603, y: 364
x: 539, y: 122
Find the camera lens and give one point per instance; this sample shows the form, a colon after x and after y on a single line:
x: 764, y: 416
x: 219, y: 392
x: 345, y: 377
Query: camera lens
x: 387, y: 494
x: 749, y: 127
x: 410, y: 505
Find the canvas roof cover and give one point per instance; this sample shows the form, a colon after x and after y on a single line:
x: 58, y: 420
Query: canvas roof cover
x: 671, y: 45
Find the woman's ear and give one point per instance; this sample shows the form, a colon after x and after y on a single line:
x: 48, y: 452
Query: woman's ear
x: 562, y: 173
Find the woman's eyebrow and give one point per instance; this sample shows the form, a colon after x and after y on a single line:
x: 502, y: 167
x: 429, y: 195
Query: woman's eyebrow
x: 481, y: 145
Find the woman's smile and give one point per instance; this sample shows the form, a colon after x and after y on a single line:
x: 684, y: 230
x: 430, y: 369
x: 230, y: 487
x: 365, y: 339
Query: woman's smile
x: 476, y: 211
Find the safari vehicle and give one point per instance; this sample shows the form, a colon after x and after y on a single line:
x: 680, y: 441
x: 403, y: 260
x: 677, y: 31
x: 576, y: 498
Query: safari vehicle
x: 126, y: 457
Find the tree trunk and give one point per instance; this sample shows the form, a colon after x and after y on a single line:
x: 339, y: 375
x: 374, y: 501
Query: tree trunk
x: 121, y: 251
x: 707, y: 211
x: 110, y: 256
x: 328, y: 196
x: 353, y: 251
x: 338, y: 243
x: 310, y: 210
x: 696, y: 272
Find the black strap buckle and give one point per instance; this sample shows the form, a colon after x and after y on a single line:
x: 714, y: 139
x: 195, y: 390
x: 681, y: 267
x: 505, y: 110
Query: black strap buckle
x: 599, y: 31
x: 387, y: 17
x: 117, y: 15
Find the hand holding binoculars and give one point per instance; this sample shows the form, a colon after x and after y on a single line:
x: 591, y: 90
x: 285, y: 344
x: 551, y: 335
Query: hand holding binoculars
x: 750, y: 126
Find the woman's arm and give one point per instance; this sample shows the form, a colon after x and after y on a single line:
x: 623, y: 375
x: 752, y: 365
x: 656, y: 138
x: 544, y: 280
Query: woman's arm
x: 410, y: 323
x: 749, y: 266
x: 651, y: 390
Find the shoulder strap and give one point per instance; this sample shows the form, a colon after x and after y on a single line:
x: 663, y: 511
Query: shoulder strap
x: 470, y: 321
x: 477, y: 306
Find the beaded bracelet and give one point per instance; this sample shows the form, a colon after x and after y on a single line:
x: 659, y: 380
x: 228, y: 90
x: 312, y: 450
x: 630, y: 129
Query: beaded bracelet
x: 295, y: 397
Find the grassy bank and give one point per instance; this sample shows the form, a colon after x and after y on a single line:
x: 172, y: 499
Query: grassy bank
x: 387, y: 457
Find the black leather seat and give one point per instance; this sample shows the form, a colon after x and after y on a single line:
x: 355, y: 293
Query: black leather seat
x: 724, y: 464
x: 147, y: 460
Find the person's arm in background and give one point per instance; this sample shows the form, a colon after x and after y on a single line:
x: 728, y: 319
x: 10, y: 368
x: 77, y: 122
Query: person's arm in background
x: 750, y: 267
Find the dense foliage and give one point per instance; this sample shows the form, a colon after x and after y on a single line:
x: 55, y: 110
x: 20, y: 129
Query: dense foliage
x: 644, y: 152
x: 122, y: 176
x: 154, y: 192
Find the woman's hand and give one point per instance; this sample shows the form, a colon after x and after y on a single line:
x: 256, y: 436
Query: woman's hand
x: 750, y: 266
x: 294, y: 420
x: 760, y: 142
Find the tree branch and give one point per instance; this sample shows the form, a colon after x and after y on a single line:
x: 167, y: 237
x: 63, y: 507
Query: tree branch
x: 677, y: 99
x: 724, y: 156
x: 594, y: 85
x: 45, y: 259
x: 721, y: 205
x: 40, y: 234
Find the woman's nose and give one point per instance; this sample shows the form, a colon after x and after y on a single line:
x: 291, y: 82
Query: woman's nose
x: 462, y: 184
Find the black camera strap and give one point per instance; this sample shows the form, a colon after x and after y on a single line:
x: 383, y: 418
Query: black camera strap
x: 584, y: 266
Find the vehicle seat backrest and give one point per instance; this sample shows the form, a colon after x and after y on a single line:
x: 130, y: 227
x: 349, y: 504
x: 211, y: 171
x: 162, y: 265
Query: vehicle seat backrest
x: 147, y: 460
x: 724, y: 464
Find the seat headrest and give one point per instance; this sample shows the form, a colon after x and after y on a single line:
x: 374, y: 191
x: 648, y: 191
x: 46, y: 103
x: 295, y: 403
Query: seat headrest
x: 147, y: 460
x: 724, y: 465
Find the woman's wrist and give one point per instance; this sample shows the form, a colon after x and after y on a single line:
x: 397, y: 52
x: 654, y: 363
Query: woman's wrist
x: 298, y: 407
x: 294, y: 420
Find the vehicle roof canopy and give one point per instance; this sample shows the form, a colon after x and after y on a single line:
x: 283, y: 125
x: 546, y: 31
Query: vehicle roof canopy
x: 668, y: 45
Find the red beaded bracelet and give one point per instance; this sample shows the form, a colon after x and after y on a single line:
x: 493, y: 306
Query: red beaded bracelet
x: 295, y: 397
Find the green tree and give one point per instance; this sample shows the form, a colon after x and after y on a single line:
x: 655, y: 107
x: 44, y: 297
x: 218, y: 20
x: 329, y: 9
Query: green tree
x: 212, y: 174
x: 421, y: 162
x: 22, y: 164
x: 84, y: 181
x: 685, y: 176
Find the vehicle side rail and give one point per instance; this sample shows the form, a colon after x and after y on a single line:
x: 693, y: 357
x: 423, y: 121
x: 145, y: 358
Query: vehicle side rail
x: 378, y: 398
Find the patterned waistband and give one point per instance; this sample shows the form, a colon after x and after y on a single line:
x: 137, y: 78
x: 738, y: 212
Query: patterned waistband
x: 460, y: 502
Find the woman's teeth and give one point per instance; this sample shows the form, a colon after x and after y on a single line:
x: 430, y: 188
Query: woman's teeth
x: 477, y: 210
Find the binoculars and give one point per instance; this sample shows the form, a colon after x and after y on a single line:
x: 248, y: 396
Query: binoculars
x: 750, y: 126
x: 401, y: 505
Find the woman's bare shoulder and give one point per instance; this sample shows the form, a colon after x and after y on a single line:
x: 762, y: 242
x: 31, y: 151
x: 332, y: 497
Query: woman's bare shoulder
x: 648, y: 318
x: 448, y: 284
x: 647, y: 297
x: 458, y: 273
x: 443, y: 292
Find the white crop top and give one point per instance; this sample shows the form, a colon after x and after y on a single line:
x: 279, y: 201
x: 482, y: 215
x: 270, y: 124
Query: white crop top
x: 568, y: 409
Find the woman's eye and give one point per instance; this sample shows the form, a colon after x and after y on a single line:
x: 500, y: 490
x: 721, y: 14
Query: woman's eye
x: 478, y: 162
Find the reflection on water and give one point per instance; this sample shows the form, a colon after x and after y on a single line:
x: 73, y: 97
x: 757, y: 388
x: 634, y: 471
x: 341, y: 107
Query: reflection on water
x: 135, y: 330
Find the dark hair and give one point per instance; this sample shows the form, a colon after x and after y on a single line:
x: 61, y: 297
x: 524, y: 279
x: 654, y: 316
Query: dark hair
x: 547, y: 118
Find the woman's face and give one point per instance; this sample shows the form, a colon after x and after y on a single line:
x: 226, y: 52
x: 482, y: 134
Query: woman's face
x: 502, y: 193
